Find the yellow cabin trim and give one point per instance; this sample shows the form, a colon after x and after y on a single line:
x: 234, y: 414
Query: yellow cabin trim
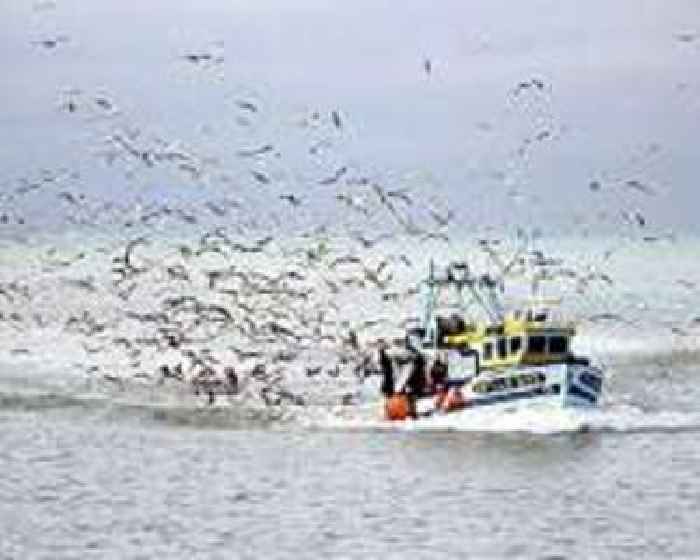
x: 522, y: 329
x: 485, y: 339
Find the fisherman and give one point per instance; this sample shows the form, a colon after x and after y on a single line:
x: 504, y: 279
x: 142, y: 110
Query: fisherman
x: 437, y: 380
x: 438, y: 375
x: 231, y: 380
x: 387, y: 371
x: 416, y: 383
x: 396, y: 405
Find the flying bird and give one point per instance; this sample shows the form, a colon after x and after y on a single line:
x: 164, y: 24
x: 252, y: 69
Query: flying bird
x: 291, y: 198
x: 335, y: 117
x: 260, y: 177
x: 400, y: 194
x: 104, y: 103
x: 247, y: 106
x: 255, y: 151
x: 594, y: 186
x: 335, y: 177
x: 687, y: 37
x: 52, y: 43
x: 641, y: 187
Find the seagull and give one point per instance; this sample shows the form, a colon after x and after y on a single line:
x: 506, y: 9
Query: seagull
x: 196, y: 58
x: 260, y: 177
x: 441, y: 220
x: 686, y: 283
x: 369, y: 243
x: 641, y: 187
x: 292, y: 199
x: 635, y: 217
x: 52, y: 43
x: 335, y: 177
x: 247, y: 106
x: 256, y: 151
x: 70, y: 106
x: 400, y: 194
x: 607, y: 317
x: 533, y: 82
x: 522, y: 86
x: 687, y: 37
x: 104, y: 103
x: 335, y: 117
x: 67, y: 196
x: 438, y: 236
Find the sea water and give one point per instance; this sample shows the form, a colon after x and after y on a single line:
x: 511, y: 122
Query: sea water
x: 139, y: 469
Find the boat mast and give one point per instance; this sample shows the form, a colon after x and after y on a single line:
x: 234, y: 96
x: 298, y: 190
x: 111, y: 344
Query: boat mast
x: 482, y: 290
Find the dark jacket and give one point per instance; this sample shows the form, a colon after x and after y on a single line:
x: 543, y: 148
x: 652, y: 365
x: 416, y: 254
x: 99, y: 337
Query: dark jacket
x: 438, y: 375
x: 387, y: 370
x: 415, y: 384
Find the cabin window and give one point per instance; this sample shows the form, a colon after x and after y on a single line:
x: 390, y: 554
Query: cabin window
x: 502, y: 347
x: 536, y: 316
x: 528, y: 379
x: 591, y: 381
x: 480, y: 387
x: 498, y: 385
x: 558, y: 345
x: 514, y: 382
x: 488, y: 351
x: 516, y: 343
x: 536, y: 344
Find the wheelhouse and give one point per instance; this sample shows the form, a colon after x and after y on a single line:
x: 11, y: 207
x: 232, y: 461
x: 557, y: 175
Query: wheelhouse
x: 531, y: 334
x: 522, y: 339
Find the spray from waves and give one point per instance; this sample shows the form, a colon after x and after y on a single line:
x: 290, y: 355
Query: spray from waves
x: 138, y: 404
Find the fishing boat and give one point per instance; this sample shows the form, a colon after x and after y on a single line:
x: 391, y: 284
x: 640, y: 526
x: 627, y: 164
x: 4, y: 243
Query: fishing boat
x: 490, y: 356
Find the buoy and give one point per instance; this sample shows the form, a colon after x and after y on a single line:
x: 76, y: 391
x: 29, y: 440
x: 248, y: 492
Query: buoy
x: 397, y: 407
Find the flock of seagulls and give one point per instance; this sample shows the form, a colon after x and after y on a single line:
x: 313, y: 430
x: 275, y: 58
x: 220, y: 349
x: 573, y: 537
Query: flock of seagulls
x: 241, y: 306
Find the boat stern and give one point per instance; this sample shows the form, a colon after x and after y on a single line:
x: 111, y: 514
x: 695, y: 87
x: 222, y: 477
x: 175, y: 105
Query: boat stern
x: 582, y: 385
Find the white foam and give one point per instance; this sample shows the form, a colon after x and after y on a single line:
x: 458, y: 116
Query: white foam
x: 543, y: 420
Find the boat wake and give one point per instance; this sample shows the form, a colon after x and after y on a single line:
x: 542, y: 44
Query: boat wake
x: 174, y: 406
x: 142, y: 405
x: 621, y: 419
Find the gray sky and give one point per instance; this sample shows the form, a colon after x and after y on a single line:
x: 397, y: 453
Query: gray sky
x: 621, y: 102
